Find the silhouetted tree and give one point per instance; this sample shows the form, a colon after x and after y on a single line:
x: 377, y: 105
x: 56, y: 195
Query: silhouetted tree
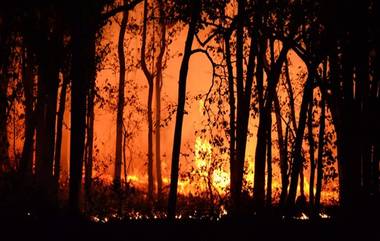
x: 120, y: 104
x: 49, y: 56
x: 311, y: 154
x: 158, y: 87
x: 321, y: 143
x: 86, y: 21
x: 60, y: 116
x: 195, y: 10
x: 150, y: 78
x: 5, y: 51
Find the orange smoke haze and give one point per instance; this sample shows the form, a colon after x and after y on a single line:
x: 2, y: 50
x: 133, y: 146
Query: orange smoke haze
x: 199, y: 81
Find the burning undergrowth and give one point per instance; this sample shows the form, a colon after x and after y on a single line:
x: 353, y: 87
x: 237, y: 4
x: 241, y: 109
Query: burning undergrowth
x: 131, y: 204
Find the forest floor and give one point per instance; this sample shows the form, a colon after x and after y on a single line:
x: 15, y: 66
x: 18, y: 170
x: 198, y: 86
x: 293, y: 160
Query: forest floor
x: 65, y: 228
x: 18, y: 224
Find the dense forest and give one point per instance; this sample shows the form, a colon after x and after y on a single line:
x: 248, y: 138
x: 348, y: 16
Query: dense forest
x: 289, y: 114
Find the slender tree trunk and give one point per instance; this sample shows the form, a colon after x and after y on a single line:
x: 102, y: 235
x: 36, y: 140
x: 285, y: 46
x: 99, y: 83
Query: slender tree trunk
x: 158, y: 85
x: 61, y: 112
x: 232, y: 114
x: 335, y: 104
x: 283, y: 153
x: 149, y: 76
x: 90, y: 139
x: 320, y: 153
x: 259, y: 178
x: 150, y: 144
x: 360, y: 36
x: 195, y: 14
x: 297, y: 152
x: 125, y: 160
x: 120, y: 104
x: 90, y: 118
x: 269, y: 164
x: 311, y: 155
x: 5, y: 52
x: 4, y: 144
x: 26, y: 162
x: 350, y: 132
x: 269, y: 138
x: 236, y: 181
x: 158, y: 137
x: 291, y: 95
x: 302, y: 180
x: 244, y: 90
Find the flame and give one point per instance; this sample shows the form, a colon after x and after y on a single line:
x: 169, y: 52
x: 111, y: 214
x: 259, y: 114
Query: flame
x: 133, y: 178
x: 203, y: 153
x: 220, y: 178
x: 209, y: 168
x: 303, y: 217
x: 201, y: 106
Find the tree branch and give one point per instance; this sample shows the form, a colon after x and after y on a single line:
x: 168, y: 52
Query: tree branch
x: 113, y: 12
x: 210, y: 37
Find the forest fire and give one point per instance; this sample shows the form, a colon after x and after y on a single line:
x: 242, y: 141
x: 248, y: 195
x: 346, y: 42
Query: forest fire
x: 203, y: 111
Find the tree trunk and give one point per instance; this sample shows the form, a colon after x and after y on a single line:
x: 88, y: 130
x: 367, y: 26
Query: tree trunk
x: 4, y: 144
x: 120, y: 103
x: 269, y: 164
x: 83, y: 65
x: 320, y: 153
x: 125, y: 160
x: 232, y: 114
x: 5, y: 52
x: 158, y: 86
x: 61, y: 112
x: 49, y: 55
x: 90, y: 119
x: 302, y: 180
x: 259, y: 178
x: 283, y: 153
x: 236, y: 180
x: 297, y: 152
x: 150, y: 144
x: 350, y: 132
x: 244, y: 91
x: 311, y: 155
x: 149, y: 76
x: 26, y: 162
x: 291, y: 95
x: 195, y: 14
x: 90, y: 135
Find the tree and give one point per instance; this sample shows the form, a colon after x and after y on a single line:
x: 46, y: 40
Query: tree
x: 286, y: 34
x: 282, y: 143
x: 321, y: 143
x: 273, y: 78
x: 195, y: 10
x: 349, y: 69
x: 49, y: 57
x: 120, y: 104
x: 5, y: 52
x: 60, y: 116
x: 158, y: 87
x: 150, y: 78
x: 311, y: 154
x: 28, y: 73
x: 244, y: 90
x: 154, y: 78
x: 86, y: 15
